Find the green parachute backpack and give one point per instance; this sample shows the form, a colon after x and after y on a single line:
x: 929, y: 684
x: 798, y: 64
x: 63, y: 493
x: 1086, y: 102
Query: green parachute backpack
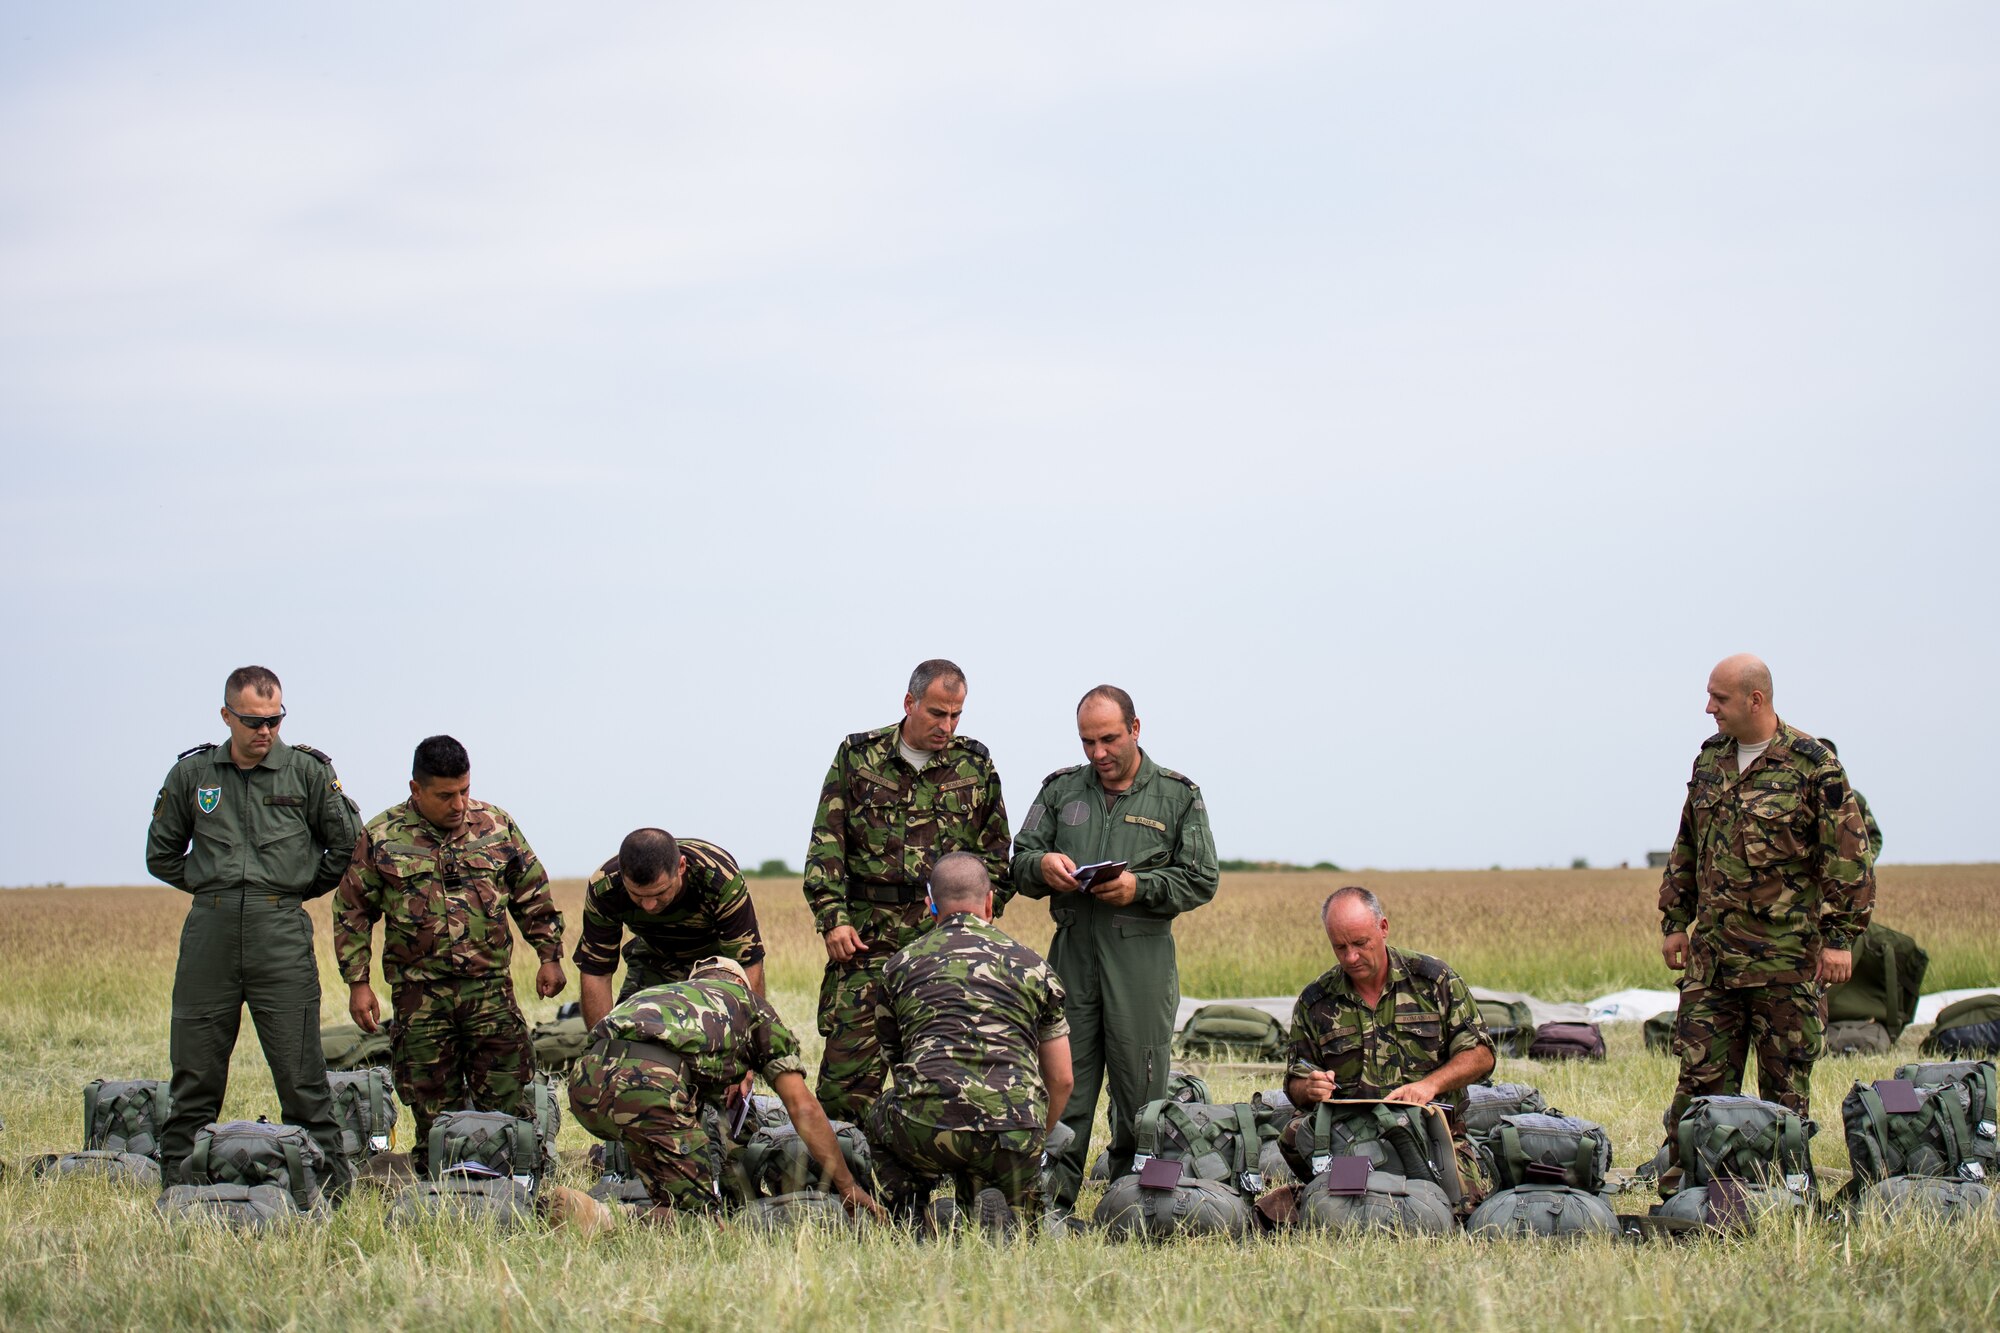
x: 776, y: 1161
x: 1659, y: 1032
x: 364, y: 1106
x: 1366, y: 1200
x: 485, y: 1144
x: 1888, y: 978
x: 1966, y: 1030
x: 1485, y: 1103
x: 122, y: 1123
x: 1538, y: 1149
x: 1744, y: 1139
x: 1732, y: 1205
x: 1185, y: 1087
x: 257, y: 1152
x: 240, y: 1207
x: 545, y: 1099
x: 1400, y: 1139
x: 348, y: 1047
x: 498, y: 1202
x: 1510, y: 1023
x: 1944, y: 1124
x: 560, y: 1041
x: 1857, y: 1036
x: 1542, y: 1210
x: 1195, y: 1170
x: 800, y: 1208
x: 1232, y: 1032
x: 1902, y: 1197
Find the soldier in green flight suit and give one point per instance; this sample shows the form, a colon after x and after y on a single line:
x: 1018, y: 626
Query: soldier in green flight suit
x: 894, y: 801
x: 1114, y: 944
x: 251, y: 829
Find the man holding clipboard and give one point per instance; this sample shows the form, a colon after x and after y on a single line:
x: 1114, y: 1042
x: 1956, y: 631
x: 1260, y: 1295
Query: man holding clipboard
x: 1120, y: 847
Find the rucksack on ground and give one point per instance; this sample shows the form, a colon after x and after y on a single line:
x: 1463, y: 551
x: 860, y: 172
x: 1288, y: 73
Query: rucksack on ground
x: 122, y: 1123
x: 1744, y: 1139
x: 1185, y: 1087
x: 802, y: 1208
x: 1903, y: 1197
x: 1567, y: 1041
x: 1967, y: 1030
x: 1858, y: 1036
x: 1733, y: 1205
x: 776, y: 1161
x: 494, y: 1200
x: 1377, y: 1201
x: 243, y: 1207
x: 1132, y: 1210
x: 1659, y: 1032
x: 561, y: 1041
x: 1510, y: 1023
x: 1396, y: 1138
x: 347, y: 1047
x: 256, y: 1152
x: 1543, y: 1210
x: 1540, y: 1149
x: 364, y: 1106
x: 545, y: 1102
x: 485, y: 1143
x: 1195, y: 1170
x: 1886, y: 983
x: 1485, y: 1103
x: 1232, y: 1032
x: 1948, y: 1131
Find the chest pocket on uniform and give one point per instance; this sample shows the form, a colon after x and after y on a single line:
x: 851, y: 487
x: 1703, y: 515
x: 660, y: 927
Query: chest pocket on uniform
x: 1774, y: 816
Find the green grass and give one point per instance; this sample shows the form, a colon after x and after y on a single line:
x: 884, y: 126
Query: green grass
x: 89, y: 975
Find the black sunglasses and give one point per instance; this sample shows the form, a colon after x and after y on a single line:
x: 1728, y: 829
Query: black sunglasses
x: 256, y: 723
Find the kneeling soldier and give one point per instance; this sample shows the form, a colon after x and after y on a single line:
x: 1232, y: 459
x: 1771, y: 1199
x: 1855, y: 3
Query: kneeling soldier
x: 1383, y: 1023
x: 972, y: 1023
x: 444, y: 872
x: 659, y: 1055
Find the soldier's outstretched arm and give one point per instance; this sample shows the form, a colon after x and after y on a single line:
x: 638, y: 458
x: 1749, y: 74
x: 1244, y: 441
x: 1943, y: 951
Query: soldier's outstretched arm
x: 809, y: 1119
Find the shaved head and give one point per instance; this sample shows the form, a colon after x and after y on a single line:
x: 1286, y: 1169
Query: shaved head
x: 1747, y: 672
x: 1739, y: 699
x: 959, y: 883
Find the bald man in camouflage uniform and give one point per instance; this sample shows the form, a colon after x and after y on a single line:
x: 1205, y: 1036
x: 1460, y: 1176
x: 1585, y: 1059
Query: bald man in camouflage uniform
x: 972, y: 1024
x: 663, y: 1053
x: 1766, y: 891
x: 443, y: 872
x: 894, y: 801
x: 1382, y: 1023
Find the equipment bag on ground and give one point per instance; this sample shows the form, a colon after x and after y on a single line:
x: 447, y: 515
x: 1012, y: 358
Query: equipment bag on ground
x: 348, y: 1047
x: 1350, y: 1197
x: 1567, y: 1041
x: 1732, y: 1205
x: 1232, y: 1031
x: 364, y: 1106
x: 1967, y: 1030
x: 490, y: 1141
x: 122, y: 1121
x: 777, y: 1162
x: 1744, y: 1139
x: 1904, y: 1197
x: 1185, y: 1087
x: 1887, y: 981
x: 1858, y: 1036
x: 801, y: 1208
x: 560, y: 1041
x: 1485, y: 1103
x: 1510, y: 1023
x: 256, y: 1152
x: 1543, y: 1210
x: 1539, y: 1149
x: 1930, y: 1120
x: 1659, y: 1032
x: 1233, y: 1144
x: 244, y: 1207
x: 497, y: 1200
x: 1133, y: 1210
x: 545, y: 1102
x: 1401, y: 1139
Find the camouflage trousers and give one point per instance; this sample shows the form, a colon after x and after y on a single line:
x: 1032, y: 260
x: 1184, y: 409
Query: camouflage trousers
x: 655, y: 1112
x: 851, y: 1068
x: 459, y: 1044
x: 911, y: 1157
x: 1714, y: 1032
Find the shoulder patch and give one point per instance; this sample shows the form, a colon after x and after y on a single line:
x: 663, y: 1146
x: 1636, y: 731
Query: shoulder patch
x: 1832, y: 791
x: 320, y: 755
x: 1062, y: 773
x: 975, y: 746
x: 1715, y: 742
x: 1424, y: 966
x: 203, y: 748
x: 1177, y: 777
x: 857, y: 739
x: 1811, y: 749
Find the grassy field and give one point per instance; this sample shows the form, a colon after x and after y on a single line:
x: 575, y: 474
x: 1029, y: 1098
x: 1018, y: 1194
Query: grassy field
x: 89, y: 974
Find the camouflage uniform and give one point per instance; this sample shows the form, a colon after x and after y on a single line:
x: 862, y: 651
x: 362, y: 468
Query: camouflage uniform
x: 1117, y: 963
x: 880, y: 827
x: 1769, y: 867
x: 1874, y: 829
x: 962, y: 1014
x: 658, y: 1056
x: 711, y: 916
x: 444, y: 898
x: 1425, y: 1016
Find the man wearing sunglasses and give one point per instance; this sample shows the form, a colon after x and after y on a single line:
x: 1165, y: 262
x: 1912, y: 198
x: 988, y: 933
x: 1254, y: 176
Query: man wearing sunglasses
x: 250, y: 829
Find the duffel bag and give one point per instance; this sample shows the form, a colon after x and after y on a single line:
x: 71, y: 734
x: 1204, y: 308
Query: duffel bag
x: 1543, y: 1210
x: 1192, y: 1206
x: 243, y: 1207
x: 1567, y: 1041
x: 1900, y: 1198
x: 1538, y: 1149
x: 498, y: 1201
x: 1376, y: 1201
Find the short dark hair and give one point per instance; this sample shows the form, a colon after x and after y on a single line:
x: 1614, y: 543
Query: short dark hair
x: 1368, y: 900
x: 936, y: 669
x: 959, y: 881
x: 440, y: 757
x: 646, y: 855
x: 261, y: 681
x: 1112, y: 694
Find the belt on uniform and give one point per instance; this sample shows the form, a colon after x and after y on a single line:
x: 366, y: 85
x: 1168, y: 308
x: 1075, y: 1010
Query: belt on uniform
x: 898, y: 894
x: 616, y: 1048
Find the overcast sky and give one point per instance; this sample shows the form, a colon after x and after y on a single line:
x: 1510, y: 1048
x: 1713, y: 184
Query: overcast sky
x: 1409, y: 405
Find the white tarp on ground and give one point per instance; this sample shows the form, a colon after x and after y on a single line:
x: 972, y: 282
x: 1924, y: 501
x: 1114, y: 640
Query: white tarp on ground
x: 1280, y: 1006
x: 1928, y: 1005
x: 1632, y: 1006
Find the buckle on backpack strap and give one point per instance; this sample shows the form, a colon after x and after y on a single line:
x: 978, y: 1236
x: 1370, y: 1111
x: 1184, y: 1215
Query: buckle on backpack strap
x: 1319, y: 1162
x: 1796, y: 1182
x: 1986, y: 1129
x: 1972, y: 1171
x: 1252, y: 1182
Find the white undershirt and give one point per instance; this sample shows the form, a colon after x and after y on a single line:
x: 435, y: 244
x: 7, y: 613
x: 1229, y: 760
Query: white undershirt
x: 915, y: 758
x: 1747, y: 755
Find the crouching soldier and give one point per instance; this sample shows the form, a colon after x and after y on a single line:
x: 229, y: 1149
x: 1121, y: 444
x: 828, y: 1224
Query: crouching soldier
x: 1382, y: 1023
x: 972, y: 1025
x: 444, y: 872
x: 661, y: 1054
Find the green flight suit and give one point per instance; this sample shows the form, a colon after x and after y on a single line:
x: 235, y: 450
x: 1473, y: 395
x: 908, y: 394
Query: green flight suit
x: 250, y: 846
x: 1116, y: 963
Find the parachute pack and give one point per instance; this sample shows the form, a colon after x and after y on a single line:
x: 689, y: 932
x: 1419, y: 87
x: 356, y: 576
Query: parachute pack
x: 1967, y: 1030
x: 1934, y: 1120
x: 1510, y: 1023
x: 1196, y: 1168
x: 1567, y: 1041
x: 1232, y: 1032
x: 1485, y: 1103
x: 364, y: 1106
x: 1888, y: 978
x: 560, y: 1041
x: 122, y: 1123
x: 250, y: 1175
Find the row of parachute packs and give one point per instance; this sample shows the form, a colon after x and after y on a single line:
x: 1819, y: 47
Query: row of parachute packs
x: 1920, y: 1143
x: 1226, y: 1031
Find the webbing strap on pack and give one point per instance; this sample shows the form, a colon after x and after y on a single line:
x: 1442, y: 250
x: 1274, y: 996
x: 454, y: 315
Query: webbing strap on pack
x: 295, y: 1173
x: 197, y: 1162
x: 90, y: 1136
